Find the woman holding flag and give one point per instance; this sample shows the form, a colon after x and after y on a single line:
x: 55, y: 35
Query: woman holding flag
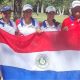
x: 50, y: 24
x: 27, y: 25
x: 5, y: 22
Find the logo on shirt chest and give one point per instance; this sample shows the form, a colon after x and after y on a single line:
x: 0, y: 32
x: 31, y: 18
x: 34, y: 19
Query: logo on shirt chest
x: 72, y: 24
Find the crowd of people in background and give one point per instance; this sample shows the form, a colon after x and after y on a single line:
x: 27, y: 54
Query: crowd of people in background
x: 27, y: 24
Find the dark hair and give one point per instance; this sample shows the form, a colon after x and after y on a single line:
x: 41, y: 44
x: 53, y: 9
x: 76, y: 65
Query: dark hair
x: 56, y: 22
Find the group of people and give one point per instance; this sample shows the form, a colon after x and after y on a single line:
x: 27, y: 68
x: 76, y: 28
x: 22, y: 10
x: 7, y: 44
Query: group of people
x: 27, y: 24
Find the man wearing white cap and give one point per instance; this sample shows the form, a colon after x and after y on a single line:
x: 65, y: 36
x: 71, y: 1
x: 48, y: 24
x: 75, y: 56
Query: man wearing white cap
x: 73, y: 21
x: 50, y: 24
x: 5, y: 22
x: 27, y: 25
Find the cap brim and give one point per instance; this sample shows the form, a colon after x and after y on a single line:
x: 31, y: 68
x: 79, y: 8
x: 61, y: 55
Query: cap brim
x: 7, y: 10
x: 27, y: 9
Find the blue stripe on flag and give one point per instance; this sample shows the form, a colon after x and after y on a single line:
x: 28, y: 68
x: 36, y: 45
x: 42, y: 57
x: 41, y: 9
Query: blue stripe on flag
x: 13, y: 73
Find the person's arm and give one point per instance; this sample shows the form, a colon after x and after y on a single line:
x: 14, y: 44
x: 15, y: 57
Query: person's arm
x: 64, y: 27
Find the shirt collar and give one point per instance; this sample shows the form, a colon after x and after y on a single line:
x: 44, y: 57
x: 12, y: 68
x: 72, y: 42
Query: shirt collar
x: 10, y: 23
x: 53, y: 26
x: 72, y: 18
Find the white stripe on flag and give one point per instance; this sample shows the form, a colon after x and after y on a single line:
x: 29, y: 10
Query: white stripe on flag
x: 65, y: 60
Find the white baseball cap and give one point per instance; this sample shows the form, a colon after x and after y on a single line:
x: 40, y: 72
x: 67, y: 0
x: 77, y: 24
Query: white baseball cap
x: 50, y: 8
x: 75, y: 3
x: 26, y: 7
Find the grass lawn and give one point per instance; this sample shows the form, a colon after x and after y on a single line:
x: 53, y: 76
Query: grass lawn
x: 41, y: 17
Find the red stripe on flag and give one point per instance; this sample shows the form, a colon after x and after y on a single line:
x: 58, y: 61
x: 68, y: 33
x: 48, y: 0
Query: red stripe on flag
x: 45, y: 41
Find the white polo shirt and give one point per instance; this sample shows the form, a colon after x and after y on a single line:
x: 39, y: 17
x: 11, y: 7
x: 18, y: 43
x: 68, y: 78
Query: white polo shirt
x: 10, y: 27
x: 50, y: 28
x: 27, y: 29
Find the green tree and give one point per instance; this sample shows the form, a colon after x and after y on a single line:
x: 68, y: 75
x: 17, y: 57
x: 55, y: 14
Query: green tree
x: 17, y: 8
x: 1, y: 1
x: 62, y: 5
x: 45, y: 3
